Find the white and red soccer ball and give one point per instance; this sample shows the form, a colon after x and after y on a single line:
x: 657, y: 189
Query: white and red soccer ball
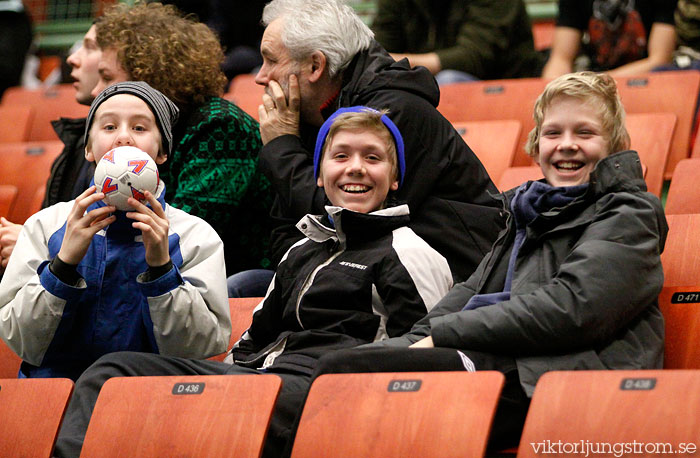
x: 125, y: 172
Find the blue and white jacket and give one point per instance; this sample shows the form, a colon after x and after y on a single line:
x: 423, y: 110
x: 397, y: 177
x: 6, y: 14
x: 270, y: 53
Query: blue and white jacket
x: 59, y: 330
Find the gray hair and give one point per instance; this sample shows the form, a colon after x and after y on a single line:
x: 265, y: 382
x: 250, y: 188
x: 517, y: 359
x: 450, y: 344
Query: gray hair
x: 329, y: 26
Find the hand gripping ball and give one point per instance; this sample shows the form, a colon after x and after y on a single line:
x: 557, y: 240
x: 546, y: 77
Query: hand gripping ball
x: 125, y: 172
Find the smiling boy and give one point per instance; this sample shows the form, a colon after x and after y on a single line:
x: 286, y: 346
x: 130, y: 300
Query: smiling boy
x: 87, y: 280
x: 359, y: 167
x: 571, y: 283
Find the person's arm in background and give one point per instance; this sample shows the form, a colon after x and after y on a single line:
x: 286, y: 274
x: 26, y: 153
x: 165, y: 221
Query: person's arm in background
x: 482, y: 38
x: 565, y: 47
x: 662, y: 42
x: 388, y: 30
x: 429, y: 60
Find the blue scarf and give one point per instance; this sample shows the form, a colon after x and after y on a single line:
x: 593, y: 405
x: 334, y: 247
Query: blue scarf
x: 531, y: 200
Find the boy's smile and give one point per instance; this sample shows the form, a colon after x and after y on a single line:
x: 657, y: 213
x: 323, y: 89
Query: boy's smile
x: 356, y: 171
x: 572, y: 141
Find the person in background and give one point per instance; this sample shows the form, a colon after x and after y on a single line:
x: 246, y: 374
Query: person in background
x: 238, y: 26
x: 213, y: 171
x: 624, y: 37
x: 460, y: 40
x: 15, y: 40
x: 687, y: 20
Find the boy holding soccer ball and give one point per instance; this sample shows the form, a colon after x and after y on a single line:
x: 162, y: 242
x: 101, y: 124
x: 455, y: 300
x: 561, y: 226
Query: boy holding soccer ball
x: 86, y: 279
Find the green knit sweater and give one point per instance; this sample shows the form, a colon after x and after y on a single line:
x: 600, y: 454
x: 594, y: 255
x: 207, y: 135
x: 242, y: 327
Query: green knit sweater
x: 213, y: 173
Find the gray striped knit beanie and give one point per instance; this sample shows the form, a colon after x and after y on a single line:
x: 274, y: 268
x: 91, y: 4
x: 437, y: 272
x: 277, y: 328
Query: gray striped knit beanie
x: 164, y: 110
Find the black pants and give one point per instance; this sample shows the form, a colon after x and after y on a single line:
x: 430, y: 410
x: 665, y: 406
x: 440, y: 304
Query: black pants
x: 128, y: 364
x: 513, y: 403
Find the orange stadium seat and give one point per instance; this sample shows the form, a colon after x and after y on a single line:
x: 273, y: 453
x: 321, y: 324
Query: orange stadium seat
x: 27, y: 166
x: 651, y: 135
x: 543, y: 33
x: 426, y: 414
x: 15, y: 122
x: 49, y: 104
x: 9, y: 362
x: 515, y: 176
x: 587, y: 413
x: 674, y: 92
x: 246, y: 94
x: 696, y: 147
x: 684, y: 193
x: 493, y: 142
x: 8, y: 194
x: 31, y: 411
x: 680, y: 298
x: 493, y: 100
x: 241, y: 317
x: 178, y: 416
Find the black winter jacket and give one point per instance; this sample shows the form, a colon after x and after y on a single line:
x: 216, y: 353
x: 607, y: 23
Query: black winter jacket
x: 368, y: 279
x: 70, y: 172
x: 446, y: 186
x: 584, y: 290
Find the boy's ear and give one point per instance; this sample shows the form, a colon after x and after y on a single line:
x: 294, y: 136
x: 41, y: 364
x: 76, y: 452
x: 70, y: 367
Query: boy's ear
x: 318, y: 66
x: 161, y: 157
x: 88, y: 153
x: 394, y: 186
x: 319, y: 181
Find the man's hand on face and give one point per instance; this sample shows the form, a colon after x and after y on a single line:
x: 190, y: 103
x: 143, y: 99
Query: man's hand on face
x: 279, y: 116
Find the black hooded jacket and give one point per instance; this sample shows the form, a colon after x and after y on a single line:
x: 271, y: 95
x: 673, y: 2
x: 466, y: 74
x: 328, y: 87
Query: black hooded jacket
x: 446, y: 186
x: 70, y: 172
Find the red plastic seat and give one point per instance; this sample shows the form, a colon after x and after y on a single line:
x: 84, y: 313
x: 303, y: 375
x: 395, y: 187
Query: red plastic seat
x: 182, y: 416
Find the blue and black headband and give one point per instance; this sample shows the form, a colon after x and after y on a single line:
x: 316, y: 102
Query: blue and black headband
x: 325, y: 128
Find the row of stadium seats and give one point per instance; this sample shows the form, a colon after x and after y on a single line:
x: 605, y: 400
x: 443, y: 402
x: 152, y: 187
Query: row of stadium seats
x: 591, y: 409
x: 426, y: 414
x: 26, y: 114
